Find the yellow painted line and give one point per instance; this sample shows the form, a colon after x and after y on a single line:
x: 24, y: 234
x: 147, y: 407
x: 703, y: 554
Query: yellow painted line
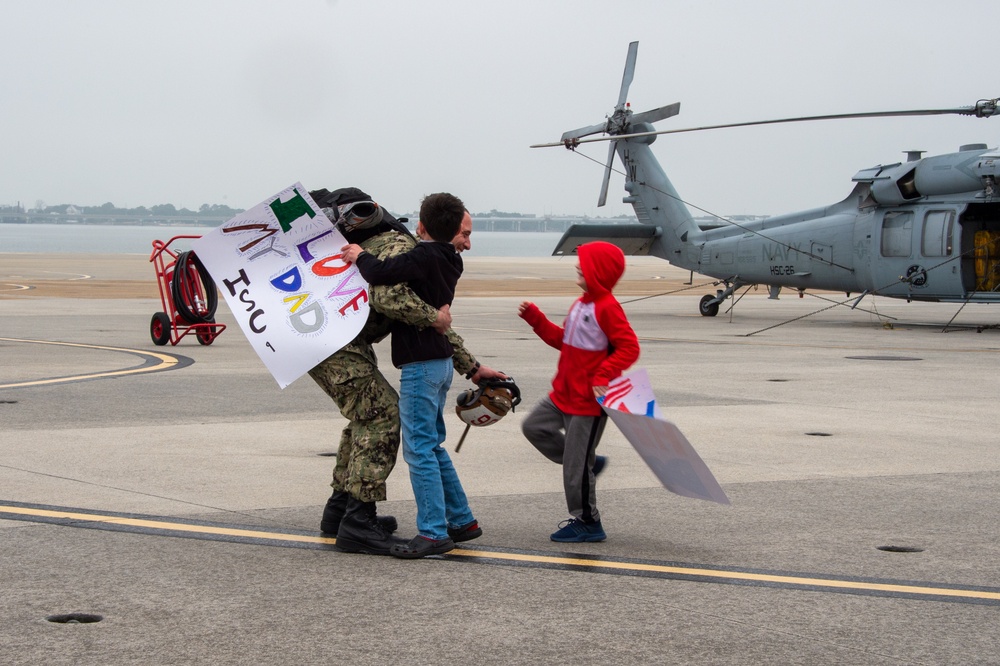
x: 162, y: 525
x: 608, y: 565
x: 79, y: 276
x: 72, y: 276
x: 165, y: 361
x: 737, y: 575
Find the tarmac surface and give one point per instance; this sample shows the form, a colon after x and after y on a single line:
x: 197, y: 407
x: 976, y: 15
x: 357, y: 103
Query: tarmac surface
x: 175, y: 492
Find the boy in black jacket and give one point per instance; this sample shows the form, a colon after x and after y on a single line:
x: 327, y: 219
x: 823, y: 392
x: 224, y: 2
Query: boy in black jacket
x: 431, y: 270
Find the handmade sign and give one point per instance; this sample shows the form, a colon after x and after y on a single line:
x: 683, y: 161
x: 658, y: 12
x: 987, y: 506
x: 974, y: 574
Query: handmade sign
x: 631, y: 405
x: 279, y: 267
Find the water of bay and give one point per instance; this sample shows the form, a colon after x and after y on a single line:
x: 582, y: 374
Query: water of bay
x: 98, y: 239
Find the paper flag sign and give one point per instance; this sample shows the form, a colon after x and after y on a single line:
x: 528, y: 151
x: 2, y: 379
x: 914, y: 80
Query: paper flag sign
x: 631, y: 405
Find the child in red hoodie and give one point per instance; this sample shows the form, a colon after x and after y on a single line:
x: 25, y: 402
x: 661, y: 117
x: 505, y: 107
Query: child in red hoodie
x: 596, y: 343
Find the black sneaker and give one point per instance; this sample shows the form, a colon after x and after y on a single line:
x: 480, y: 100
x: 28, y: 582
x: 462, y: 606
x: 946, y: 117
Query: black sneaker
x: 421, y: 546
x: 465, y: 532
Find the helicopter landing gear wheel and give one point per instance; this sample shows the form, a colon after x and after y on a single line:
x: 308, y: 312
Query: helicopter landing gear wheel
x: 159, y: 328
x: 707, y: 308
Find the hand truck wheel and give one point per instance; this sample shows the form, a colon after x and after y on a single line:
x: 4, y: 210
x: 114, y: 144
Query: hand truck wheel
x: 159, y: 328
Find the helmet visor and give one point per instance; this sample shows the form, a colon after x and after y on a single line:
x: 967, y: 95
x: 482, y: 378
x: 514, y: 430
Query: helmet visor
x: 358, y: 215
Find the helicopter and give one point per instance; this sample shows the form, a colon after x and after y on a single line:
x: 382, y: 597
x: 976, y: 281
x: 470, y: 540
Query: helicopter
x: 927, y: 229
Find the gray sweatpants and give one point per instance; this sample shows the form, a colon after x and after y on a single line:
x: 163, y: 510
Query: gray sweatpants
x: 569, y: 441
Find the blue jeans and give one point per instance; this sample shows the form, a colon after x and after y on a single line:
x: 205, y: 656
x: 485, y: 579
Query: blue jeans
x: 441, y: 501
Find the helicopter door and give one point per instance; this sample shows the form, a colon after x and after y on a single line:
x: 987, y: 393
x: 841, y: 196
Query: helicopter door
x: 895, y: 252
x: 937, y: 254
x: 978, y: 240
x: 915, y: 249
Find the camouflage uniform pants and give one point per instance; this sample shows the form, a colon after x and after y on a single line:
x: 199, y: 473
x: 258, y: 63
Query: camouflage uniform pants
x: 370, y: 442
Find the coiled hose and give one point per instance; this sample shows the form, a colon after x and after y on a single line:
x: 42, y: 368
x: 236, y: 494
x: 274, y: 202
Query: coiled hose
x: 186, y: 292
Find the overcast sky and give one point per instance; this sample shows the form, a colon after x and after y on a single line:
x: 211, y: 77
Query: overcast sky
x: 190, y: 102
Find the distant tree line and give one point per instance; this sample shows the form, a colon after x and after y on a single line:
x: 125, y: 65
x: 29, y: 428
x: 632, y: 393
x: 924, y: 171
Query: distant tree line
x: 500, y: 213
x: 208, y: 210
x: 221, y: 211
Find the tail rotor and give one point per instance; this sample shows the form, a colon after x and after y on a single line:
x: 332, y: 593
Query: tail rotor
x: 621, y: 114
x: 619, y: 122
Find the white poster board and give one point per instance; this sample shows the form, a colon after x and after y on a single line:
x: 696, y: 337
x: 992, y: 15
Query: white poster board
x: 631, y: 405
x: 279, y: 267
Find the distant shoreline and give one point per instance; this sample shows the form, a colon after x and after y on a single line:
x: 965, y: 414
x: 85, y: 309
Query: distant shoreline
x: 482, y: 223
x: 213, y: 224
x: 125, y: 238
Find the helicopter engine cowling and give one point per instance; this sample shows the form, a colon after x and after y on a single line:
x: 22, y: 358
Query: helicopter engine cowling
x: 954, y: 173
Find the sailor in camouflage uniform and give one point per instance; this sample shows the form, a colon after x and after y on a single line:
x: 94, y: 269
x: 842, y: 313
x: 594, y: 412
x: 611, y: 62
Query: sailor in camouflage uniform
x: 370, y: 442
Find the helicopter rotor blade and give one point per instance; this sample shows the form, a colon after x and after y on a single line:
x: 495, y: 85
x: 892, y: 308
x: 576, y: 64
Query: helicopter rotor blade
x: 584, y: 131
x: 633, y: 51
x: 572, y: 135
x: 656, y: 115
x: 603, y: 199
x: 982, y: 109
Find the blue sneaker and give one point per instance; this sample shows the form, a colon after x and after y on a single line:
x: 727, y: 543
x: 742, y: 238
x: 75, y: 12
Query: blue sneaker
x: 600, y: 462
x: 577, y: 531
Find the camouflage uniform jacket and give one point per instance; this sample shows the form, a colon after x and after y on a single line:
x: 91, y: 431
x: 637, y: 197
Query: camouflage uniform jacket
x: 395, y: 301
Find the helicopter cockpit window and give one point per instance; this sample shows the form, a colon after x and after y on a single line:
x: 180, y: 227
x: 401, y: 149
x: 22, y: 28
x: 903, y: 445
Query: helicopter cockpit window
x: 936, y: 240
x: 897, y: 234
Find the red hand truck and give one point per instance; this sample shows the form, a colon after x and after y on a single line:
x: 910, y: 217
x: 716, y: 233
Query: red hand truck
x: 188, y: 296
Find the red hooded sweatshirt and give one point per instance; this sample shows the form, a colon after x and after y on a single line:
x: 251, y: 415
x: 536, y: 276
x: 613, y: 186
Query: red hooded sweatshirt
x: 596, y: 342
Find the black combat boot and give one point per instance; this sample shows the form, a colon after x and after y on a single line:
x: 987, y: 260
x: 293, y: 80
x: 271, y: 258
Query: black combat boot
x: 361, y: 532
x: 333, y: 513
